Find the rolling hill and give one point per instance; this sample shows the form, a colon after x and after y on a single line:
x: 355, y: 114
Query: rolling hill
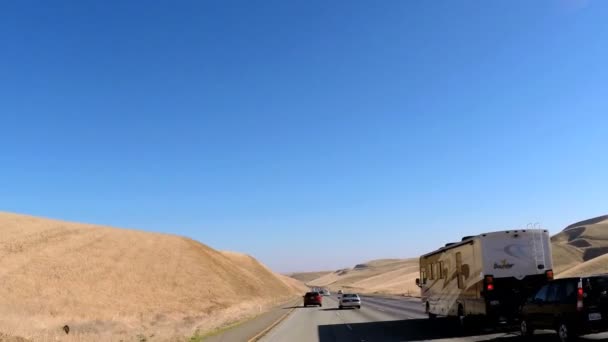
x: 385, y: 276
x: 118, y: 284
x: 581, y: 247
x: 307, y: 276
x: 577, y: 250
x: 593, y: 266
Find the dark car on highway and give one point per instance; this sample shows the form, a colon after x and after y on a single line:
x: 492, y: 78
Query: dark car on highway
x: 571, y: 306
x: 313, y: 298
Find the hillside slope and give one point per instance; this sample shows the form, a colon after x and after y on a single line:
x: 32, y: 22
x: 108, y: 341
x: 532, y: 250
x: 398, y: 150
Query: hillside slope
x: 108, y: 283
x: 580, y: 242
x: 305, y: 277
x: 577, y: 250
x: 593, y: 266
x: 386, y: 276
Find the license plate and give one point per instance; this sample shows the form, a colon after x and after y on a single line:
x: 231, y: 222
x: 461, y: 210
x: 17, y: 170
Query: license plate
x: 494, y: 302
x: 595, y: 316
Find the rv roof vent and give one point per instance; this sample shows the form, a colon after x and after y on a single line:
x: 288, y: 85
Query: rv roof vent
x: 467, y: 237
x: 449, y: 244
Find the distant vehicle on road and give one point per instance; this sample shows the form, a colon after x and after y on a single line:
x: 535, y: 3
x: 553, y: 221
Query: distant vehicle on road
x: 313, y: 298
x: 487, y: 276
x: 350, y: 300
x: 571, y: 306
x: 326, y: 292
x: 339, y: 291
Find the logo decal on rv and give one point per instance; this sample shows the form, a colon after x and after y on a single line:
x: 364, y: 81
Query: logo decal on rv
x: 503, y: 265
x: 516, y: 251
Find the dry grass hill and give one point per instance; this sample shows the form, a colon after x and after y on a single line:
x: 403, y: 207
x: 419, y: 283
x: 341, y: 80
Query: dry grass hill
x: 579, y: 247
x: 110, y: 284
x: 593, y: 266
x: 305, y: 277
x: 577, y: 250
x: 386, y: 276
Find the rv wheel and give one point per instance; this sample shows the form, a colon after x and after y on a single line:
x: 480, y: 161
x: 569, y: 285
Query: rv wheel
x: 461, y: 316
x: 428, y: 311
x: 463, y: 322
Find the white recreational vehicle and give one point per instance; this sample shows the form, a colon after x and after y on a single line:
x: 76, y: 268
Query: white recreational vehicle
x: 489, y: 275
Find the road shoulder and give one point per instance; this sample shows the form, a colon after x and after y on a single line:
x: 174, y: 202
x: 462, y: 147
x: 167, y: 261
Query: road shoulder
x: 255, y: 328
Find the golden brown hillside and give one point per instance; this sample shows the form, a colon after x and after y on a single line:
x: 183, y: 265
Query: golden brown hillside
x: 386, y: 276
x: 305, y: 277
x: 579, y: 249
x: 593, y: 266
x: 580, y: 242
x: 108, y: 284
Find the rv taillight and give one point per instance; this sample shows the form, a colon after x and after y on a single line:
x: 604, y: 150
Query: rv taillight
x: 549, y: 274
x: 489, y: 283
x: 580, y: 294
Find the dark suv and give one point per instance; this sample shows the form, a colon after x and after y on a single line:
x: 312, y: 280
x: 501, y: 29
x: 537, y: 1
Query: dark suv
x: 571, y: 306
x: 313, y: 298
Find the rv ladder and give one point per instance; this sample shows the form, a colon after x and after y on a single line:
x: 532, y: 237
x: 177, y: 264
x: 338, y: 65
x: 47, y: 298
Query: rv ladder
x: 538, y: 246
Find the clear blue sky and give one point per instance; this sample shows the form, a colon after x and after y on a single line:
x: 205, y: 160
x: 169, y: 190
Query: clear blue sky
x: 310, y: 134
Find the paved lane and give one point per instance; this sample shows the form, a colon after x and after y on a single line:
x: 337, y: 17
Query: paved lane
x: 399, y: 307
x: 381, y: 319
x: 329, y: 324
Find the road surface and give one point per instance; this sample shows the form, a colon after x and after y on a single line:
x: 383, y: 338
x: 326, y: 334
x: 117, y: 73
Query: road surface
x: 381, y: 319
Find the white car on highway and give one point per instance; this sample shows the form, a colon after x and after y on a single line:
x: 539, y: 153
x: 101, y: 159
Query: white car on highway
x: 350, y: 300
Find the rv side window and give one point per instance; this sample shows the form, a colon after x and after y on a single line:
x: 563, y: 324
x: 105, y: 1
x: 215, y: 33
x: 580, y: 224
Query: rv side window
x: 432, y: 272
x: 441, y: 272
x: 423, y: 275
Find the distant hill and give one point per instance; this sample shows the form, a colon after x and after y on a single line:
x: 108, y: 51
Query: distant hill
x: 581, y: 248
x: 578, y: 245
x: 593, y: 266
x: 386, y: 276
x: 307, y: 276
x: 110, y: 284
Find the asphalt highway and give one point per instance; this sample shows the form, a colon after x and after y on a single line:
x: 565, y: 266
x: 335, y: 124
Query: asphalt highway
x: 383, y: 319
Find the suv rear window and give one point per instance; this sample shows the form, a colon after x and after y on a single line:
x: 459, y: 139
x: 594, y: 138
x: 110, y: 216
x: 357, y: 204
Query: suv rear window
x: 596, y: 288
x: 312, y: 293
x: 567, y: 292
x: 541, y: 295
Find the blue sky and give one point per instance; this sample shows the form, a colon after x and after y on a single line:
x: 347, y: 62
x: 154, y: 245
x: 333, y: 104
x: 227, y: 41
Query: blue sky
x: 310, y: 134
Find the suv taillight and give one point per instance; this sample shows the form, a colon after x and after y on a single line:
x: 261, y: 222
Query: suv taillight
x: 580, y: 294
x: 549, y: 274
